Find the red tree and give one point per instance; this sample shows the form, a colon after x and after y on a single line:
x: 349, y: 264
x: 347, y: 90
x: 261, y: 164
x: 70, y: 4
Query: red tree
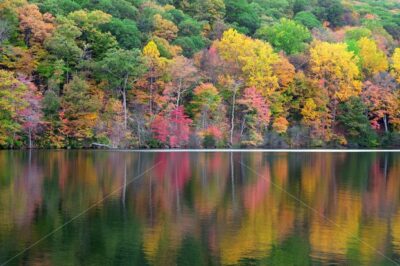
x: 172, y: 128
x: 31, y: 117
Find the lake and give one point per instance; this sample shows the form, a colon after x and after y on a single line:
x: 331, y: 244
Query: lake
x: 199, y: 208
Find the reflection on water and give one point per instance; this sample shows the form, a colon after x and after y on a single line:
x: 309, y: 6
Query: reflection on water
x: 200, y: 208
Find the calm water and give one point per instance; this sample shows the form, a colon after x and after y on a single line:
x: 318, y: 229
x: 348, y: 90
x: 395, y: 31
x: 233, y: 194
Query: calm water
x: 129, y: 208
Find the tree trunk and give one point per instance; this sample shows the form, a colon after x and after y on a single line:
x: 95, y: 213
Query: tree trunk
x: 139, y: 138
x: 333, y: 123
x: 179, y: 93
x: 179, y: 98
x: 124, y: 103
x: 386, y: 124
x: 151, y: 95
x: 233, y: 115
x: 30, y: 138
x: 242, y: 128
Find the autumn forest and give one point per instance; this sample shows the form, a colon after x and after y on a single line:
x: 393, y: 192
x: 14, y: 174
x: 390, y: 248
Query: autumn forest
x: 199, y: 74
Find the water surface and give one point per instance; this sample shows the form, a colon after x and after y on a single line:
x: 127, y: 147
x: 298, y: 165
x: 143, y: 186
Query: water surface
x: 131, y: 208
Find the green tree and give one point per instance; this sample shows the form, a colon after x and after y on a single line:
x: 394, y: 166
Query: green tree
x: 287, y: 35
x: 95, y: 42
x: 308, y: 19
x: 125, y: 31
x: 63, y: 43
x: 241, y: 15
x: 190, y: 45
x: 331, y: 11
x: 58, y: 7
x: 352, y: 117
x: 121, y: 68
x: 117, y: 8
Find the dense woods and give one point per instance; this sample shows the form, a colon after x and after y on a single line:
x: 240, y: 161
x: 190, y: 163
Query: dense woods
x: 199, y: 73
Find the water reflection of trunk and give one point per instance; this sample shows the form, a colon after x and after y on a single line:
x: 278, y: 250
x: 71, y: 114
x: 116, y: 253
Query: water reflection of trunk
x: 124, y: 190
x: 30, y: 159
x: 151, y: 200
x: 139, y: 168
x: 177, y: 191
x: 386, y: 167
x: 204, y: 169
x: 232, y: 179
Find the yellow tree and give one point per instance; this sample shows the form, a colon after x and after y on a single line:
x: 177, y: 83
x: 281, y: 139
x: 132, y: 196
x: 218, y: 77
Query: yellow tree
x: 373, y: 60
x: 156, y: 66
x: 12, y: 102
x: 396, y: 64
x: 252, y: 59
x: 258, y: 67
x: 279, y: 99
x: 335, y: 69
x: 246, y: 62
x: 230, y: 48
x: 309, y: 111
x: 164, y: 28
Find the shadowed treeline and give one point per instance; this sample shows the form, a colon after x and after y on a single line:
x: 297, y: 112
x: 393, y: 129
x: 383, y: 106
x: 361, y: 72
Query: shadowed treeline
x: 200, y: 208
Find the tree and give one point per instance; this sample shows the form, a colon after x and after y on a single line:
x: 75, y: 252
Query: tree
x: 116, y: 8
x: 111, y: 129
x: 206, y: 100
x: 308, y: 19
x: 280, y: 124
x: 249, y: 59
x: 164, y: 28
x: 183, y: 77
x: 287, y: 35
x: 396, y: 64
x: 331, y: 11
x: 206, y: 108
x: 5, y: 30
x: 125, y: 31
x: 121, y: 68
x: 209, y: 10
x: 246, y: 61
x: 51, y: 135
x: 21, y: 60
x: 285, y: 71
x: 309, y: 112
x: 336, y: 71
x: 36, y: 26
x: 172, y: 128
x: 80, y: 106
x: 95, y: 42
x: 12, y: 104
x: 258, y: 67
x: 31, y: 117
x: 59, y: 7
x: 256, y: 116
x: 151, y: 82
x: 382, y: 103
x: 63, y: 43
x: 189, y: 27
x: 373, y: 60
x: 355, y: 123
x: 190, y: 45
x: 241, y: 14
x: 358, y: 33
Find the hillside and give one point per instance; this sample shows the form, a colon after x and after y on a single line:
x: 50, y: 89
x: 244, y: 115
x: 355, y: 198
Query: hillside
x: 199, y: 73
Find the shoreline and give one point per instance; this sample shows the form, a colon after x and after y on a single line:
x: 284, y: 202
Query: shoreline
x: 224, y: 150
